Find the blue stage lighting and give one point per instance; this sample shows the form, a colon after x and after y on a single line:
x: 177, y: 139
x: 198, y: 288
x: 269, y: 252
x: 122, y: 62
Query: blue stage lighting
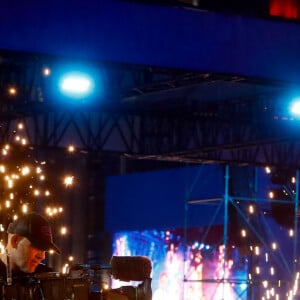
x: 77, y: 85
x: 295, y: 107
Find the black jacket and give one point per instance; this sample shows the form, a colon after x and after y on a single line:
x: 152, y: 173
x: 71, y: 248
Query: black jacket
x: 19, y: 276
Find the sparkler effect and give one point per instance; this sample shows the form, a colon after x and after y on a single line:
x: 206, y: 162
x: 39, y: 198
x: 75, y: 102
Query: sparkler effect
x: 25, y: 185
x: 69, y: 180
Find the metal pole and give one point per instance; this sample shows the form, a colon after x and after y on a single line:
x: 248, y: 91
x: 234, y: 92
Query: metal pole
x: 296, y: 222
x: 225, y: 237
x: 226, y: 200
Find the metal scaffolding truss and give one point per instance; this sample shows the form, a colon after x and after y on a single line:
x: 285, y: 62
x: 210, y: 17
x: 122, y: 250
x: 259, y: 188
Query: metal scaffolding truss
x: 252, y: 227
x: 148, y: 113
x: 162, y: 136
x: 182, y: 138
x: 123, y: 82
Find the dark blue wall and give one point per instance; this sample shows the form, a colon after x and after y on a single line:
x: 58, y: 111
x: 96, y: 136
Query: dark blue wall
x: 154, y: 35
x: 156, y: 200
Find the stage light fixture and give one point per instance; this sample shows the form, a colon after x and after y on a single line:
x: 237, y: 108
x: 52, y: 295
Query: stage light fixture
x: 76, y: 85
x: 295, y: 107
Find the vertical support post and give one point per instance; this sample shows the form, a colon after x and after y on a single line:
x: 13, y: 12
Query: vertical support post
x: 186, y: 211
x: 226, y: 202
x: 225, y: 233
x: 295, y: 256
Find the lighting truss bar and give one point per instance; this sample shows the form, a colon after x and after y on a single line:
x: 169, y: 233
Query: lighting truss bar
x: 236, y: 130
x: 123, y: 134
x: 123, y: 82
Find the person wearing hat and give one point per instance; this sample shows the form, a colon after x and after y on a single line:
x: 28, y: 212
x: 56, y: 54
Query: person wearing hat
x: 29, y: 237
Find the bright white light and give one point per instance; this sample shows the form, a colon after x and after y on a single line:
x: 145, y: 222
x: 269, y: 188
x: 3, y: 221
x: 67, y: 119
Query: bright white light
x: 71, y: 148
x: 25, y: 208
x: 267, y: 257
x: 63, y: 230
x: 25, y: 171
x: 65, y: 269
x: 46, y: 71
x: 274, y: 246
x: 12, y: 91
x: 265, y: 284
x: 251, y: 209
x: 68, y: 180
x: 2, y: 248
x: 76, y: 85
x: 268, y: 170
x: 244, y: 233
x: 295, y: 108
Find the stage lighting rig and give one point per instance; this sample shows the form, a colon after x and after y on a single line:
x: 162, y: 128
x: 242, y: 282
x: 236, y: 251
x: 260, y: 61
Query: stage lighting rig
x: 77, y: 85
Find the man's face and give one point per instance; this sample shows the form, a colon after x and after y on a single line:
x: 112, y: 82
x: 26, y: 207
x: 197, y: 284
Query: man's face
x: 26, y: 257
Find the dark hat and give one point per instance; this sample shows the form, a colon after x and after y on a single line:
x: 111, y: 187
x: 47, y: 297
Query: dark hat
x: 37, y: 229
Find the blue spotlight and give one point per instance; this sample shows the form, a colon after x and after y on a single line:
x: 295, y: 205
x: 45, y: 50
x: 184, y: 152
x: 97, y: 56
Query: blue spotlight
x: 77, y: 85
x: 295, y: 107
